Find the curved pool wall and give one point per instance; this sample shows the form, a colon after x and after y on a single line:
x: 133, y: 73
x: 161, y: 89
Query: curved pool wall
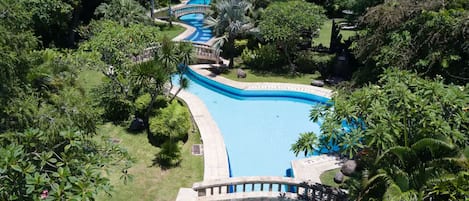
x: 240, y: 94
x: 200, y: 34
x: 258, y: 126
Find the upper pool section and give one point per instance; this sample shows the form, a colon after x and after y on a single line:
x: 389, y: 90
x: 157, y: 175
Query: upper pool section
x: 201, y: 34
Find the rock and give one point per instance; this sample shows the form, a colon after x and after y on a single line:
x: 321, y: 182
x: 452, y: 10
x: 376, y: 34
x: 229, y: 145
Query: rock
x: 339, y: 178
x: 317, y: 83
x: 241, y: 73
x: 348, y: 168
x: 137, y: 125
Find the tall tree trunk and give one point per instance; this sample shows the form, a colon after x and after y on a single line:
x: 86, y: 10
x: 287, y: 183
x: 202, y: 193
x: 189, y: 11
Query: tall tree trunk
x: 73, y: 25
x: 231, y: 51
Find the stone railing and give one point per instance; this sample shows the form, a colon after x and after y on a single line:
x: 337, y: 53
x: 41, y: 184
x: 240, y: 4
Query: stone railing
x: 202, y: 52
x: 147, y: 54
x: 271, y: 188
x: 181, y: 10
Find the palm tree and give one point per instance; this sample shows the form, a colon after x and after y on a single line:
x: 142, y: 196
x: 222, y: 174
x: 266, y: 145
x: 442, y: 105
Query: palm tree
x: 125, y: 12
x: 167, y: 56
x: 185, y: 52
x: 305, y: 143
x: 231, y: 21
x: 412, y: 173
x: 152, y: 75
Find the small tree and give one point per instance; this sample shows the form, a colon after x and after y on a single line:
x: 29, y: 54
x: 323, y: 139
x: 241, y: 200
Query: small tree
x: 231, y: 21
x: 284, y: 22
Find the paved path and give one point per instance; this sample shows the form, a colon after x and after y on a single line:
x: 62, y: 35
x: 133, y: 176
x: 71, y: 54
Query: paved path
x: 310, y: 169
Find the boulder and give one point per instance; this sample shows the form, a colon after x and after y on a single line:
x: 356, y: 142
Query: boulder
x: 339, y: 178
x: 137, y: 125
x: 241, y: 73
x: 348, y: 168
x: 317, y: 83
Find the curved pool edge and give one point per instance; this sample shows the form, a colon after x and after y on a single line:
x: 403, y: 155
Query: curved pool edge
x: 317, y: 94
x: 216, y: 164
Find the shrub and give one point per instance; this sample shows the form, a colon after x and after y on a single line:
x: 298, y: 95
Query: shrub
x: 141, y: 104
x: 172, y: 122
x: 240, y: 45
x: 309, y: 62
x: 170, y: 154
x: 266, y: 57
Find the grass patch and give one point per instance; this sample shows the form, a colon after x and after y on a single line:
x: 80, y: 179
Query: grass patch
x: 150, y: 182
x: 325, y: 33
x: 253, y: 76
x: 327, y: 177
x: 171, y: 32
x: 90, y: 79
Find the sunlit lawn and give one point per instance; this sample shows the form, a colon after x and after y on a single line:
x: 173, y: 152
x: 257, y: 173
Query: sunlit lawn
x: 327, y: 177
x: 325, y: 33
x: 151, y: 182
x: 253, y: 76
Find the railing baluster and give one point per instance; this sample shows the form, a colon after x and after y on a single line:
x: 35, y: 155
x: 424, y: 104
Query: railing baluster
x: 244, y: 187
x: 262, y: 186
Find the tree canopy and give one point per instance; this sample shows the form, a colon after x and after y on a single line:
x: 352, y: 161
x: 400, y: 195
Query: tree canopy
x: 402, y: 115
x: 427, y: 36
x: 284, y: 23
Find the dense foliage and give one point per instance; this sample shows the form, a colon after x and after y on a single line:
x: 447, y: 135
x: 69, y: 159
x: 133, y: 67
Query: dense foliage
x: 284, y: 23
x: 407, y: 134
x: 231, y: 21
x: 429, y: 36
x: 172, y: 122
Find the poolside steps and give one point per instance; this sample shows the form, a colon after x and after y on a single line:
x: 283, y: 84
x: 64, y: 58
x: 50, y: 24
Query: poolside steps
x: 310, y: 169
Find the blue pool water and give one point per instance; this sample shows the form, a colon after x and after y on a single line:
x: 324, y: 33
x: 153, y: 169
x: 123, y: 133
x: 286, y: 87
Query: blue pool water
x: 201, y: 34
x: 258, y: 130
x: 258, y: 127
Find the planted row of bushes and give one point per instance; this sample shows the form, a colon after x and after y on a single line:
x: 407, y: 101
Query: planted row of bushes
x: 268, y: 58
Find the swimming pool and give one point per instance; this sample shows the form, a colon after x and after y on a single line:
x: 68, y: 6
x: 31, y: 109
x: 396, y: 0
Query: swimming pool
x: 201, y: 34
x: 258, y: 127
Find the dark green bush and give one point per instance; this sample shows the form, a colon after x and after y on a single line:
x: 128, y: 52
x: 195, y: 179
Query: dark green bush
x: 172, y: 122
x: 310, y: 62
x: 170, y: 154
x: 265, y: 57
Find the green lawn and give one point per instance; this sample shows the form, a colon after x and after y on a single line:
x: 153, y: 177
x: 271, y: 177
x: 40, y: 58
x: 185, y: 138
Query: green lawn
x: 171, y: 32
x: 150, y: 182
x: 327, y: 177
x: 90, y: 79
x: 325, y: 33
x: 253, y: 76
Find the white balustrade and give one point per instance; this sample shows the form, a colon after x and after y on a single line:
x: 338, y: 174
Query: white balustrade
x: 265, y: 187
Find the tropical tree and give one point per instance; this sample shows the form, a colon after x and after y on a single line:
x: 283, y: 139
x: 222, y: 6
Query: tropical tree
x: 185, y: 52
x: 306, y: 143
x: 150, y: 77
x: 426, y: 36
x: 284, y: 22
x: 416, y: 173
x: 125, y: 12
x: 402, y: 114
x: 231, y: 21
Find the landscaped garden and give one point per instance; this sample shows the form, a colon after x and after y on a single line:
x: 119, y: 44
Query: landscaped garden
x: 85, y: 112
